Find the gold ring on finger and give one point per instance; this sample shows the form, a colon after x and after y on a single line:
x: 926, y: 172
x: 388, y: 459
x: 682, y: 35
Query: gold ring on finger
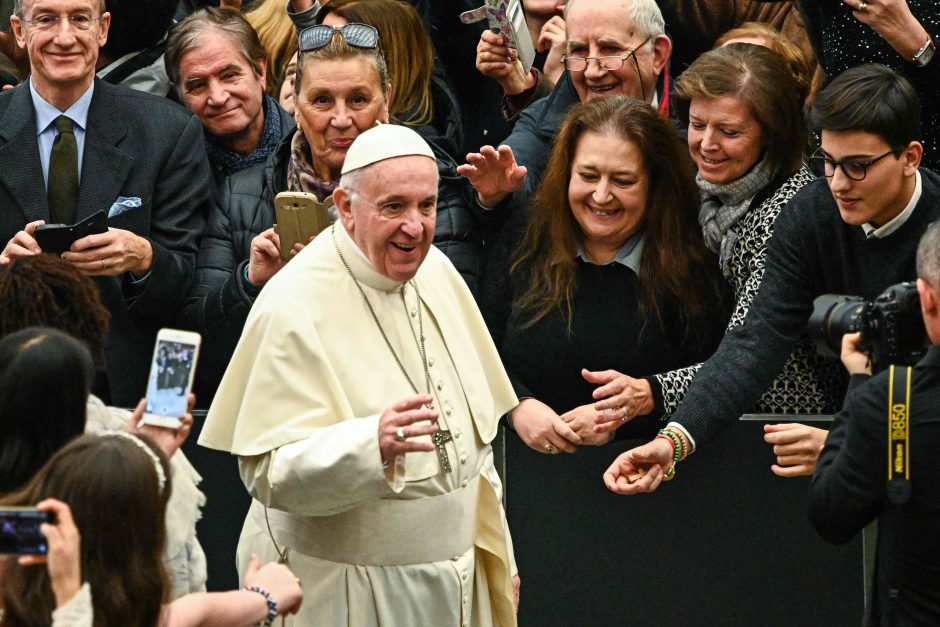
x: 550, y: 449
x: 400, y: 434
x: 862, y: 6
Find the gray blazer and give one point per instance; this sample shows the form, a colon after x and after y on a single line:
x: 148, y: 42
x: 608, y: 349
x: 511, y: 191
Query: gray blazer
x: 136, y: 146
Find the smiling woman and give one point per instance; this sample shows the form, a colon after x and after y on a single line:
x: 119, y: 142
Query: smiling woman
x: 609, y: 278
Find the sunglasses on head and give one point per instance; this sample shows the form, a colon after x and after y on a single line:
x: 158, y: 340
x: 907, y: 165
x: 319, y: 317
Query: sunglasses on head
x: 358, y: 35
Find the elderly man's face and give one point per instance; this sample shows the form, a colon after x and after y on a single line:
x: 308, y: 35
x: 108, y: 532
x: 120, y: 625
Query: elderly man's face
x: 62, y: 56
x: 602, y: 28
x: 391, y: 215
x: 219, y: 85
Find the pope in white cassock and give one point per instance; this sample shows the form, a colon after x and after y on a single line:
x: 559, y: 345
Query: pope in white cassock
x: 361, y: 401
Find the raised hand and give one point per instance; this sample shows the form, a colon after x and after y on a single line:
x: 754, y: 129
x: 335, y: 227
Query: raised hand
x: 493, y: 173
x: 496, y: 60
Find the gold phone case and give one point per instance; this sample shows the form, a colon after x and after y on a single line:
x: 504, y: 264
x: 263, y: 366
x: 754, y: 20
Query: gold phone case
x: 299, y: 217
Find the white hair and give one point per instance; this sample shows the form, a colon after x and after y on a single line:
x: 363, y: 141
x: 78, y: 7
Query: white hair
x: 643, y: 14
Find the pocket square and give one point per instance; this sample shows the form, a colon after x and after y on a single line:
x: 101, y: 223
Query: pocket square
x: 123, y: 204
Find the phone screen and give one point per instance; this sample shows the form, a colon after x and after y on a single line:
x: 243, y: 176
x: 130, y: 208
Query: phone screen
x: 169, y: 378
x: 20, y: 534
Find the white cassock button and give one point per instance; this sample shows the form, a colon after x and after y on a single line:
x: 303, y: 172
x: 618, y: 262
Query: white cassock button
x: 457, y: 434
x: 440, y: 386
x: 464, y: 483
x: 414, y: 313
x: 455, y: 558
x: 431, y: 361
x: 463, y: 459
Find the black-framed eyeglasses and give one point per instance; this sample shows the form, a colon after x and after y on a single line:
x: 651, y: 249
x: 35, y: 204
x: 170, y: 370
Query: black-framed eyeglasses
x: 50, y: 21
x: 852, y: 168
x: 355, y: 34
x: 610, y: 63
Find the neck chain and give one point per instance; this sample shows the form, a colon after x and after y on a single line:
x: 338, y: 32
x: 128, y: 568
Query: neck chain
x: 375, y: 318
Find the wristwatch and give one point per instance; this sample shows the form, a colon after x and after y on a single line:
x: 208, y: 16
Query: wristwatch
x: 925, y: 54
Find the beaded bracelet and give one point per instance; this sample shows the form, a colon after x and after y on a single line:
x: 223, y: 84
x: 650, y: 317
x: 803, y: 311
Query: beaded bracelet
x: 677, y: 448
x: 272, y: 604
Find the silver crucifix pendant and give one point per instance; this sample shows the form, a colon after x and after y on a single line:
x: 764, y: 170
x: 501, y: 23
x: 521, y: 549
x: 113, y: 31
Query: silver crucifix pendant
x: 439, y: 439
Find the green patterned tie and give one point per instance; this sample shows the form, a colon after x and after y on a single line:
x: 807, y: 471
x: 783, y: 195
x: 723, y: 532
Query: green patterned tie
x: 63, y: 173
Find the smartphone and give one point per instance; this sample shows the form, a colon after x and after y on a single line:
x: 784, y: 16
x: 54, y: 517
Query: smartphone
x: 19, y: 531
x: 299, y: 217
x: 58, y: 238
x: 506, y: 18
x: 171, y: 377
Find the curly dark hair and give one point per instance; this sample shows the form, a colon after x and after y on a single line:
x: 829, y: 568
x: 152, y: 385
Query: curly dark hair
x: 44, y: 291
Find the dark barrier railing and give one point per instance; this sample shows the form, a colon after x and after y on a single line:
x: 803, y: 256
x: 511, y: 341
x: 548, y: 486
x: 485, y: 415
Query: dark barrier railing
x: 726, y: 543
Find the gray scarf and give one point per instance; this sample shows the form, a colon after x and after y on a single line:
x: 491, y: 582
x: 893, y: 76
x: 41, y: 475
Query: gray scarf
x: 722, y: 207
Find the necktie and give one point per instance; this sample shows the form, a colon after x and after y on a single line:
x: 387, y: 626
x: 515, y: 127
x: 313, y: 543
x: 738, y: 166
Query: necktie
x: 63, y: 173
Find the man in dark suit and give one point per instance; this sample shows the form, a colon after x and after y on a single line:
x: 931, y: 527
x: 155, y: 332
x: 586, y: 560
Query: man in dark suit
x: 71, y: 146
x: 850, y: 486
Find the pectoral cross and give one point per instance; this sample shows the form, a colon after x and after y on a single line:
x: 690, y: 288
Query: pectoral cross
x: 439, y: 439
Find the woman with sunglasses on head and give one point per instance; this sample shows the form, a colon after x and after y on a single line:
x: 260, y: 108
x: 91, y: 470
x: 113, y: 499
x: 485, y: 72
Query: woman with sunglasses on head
x: 342, y: 89
x: 422, y: 95
x: 745, y: 130
x: 108, y: 495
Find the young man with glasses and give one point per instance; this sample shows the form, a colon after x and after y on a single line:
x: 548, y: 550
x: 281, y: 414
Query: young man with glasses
x: 72, y: 146
x: 854, y: 231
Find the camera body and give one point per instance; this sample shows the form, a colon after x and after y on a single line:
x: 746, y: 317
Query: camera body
x: 892, y: 327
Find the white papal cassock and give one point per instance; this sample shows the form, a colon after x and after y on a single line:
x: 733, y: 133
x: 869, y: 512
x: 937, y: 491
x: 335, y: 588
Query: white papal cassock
x: 300, y: 404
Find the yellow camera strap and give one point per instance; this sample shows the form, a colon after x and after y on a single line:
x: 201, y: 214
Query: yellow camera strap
x: 899, y: 435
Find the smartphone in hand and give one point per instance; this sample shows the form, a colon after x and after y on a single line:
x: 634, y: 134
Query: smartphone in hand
x: 19, y: 531
x: 171, y: 377
x: 299, y: 217
x: 58, y: 238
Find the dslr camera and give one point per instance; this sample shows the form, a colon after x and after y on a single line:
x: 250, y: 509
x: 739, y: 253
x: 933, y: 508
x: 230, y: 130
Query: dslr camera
x: 892, y: 327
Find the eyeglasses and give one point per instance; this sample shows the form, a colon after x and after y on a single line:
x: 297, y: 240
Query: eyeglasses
x: 355, y: 34
x: 854, y: 170
x: 579, y: 64
x: 50, y: 21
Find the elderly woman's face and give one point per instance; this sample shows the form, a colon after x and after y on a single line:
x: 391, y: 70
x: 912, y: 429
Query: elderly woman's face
x: 337, y: 101
x: 607, y: 192
x: 725, y: 140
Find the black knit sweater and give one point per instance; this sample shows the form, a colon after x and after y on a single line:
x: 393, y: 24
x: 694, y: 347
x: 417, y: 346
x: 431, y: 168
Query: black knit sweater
x: 812, y: 252
x: 607, y: 332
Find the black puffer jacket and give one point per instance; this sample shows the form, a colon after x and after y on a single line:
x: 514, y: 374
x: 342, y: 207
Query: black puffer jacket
x: 218, y: 305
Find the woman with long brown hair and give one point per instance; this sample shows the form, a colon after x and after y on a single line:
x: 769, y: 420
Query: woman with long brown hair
x: 611, y: 276
x: 109, y: 495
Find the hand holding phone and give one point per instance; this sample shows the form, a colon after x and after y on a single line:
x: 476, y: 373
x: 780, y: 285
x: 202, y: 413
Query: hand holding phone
x: 20, y: 532
x: 58, y: 238
x: 299, y: 216
x: 171, y: 378
x: 63, y: 554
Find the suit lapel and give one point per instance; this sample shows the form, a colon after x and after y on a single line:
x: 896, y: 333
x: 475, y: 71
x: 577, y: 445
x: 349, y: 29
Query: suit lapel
x: 20, y: 167
x: 105, y: 167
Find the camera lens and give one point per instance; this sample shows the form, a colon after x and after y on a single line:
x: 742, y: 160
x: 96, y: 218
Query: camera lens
x: 833, y: 316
